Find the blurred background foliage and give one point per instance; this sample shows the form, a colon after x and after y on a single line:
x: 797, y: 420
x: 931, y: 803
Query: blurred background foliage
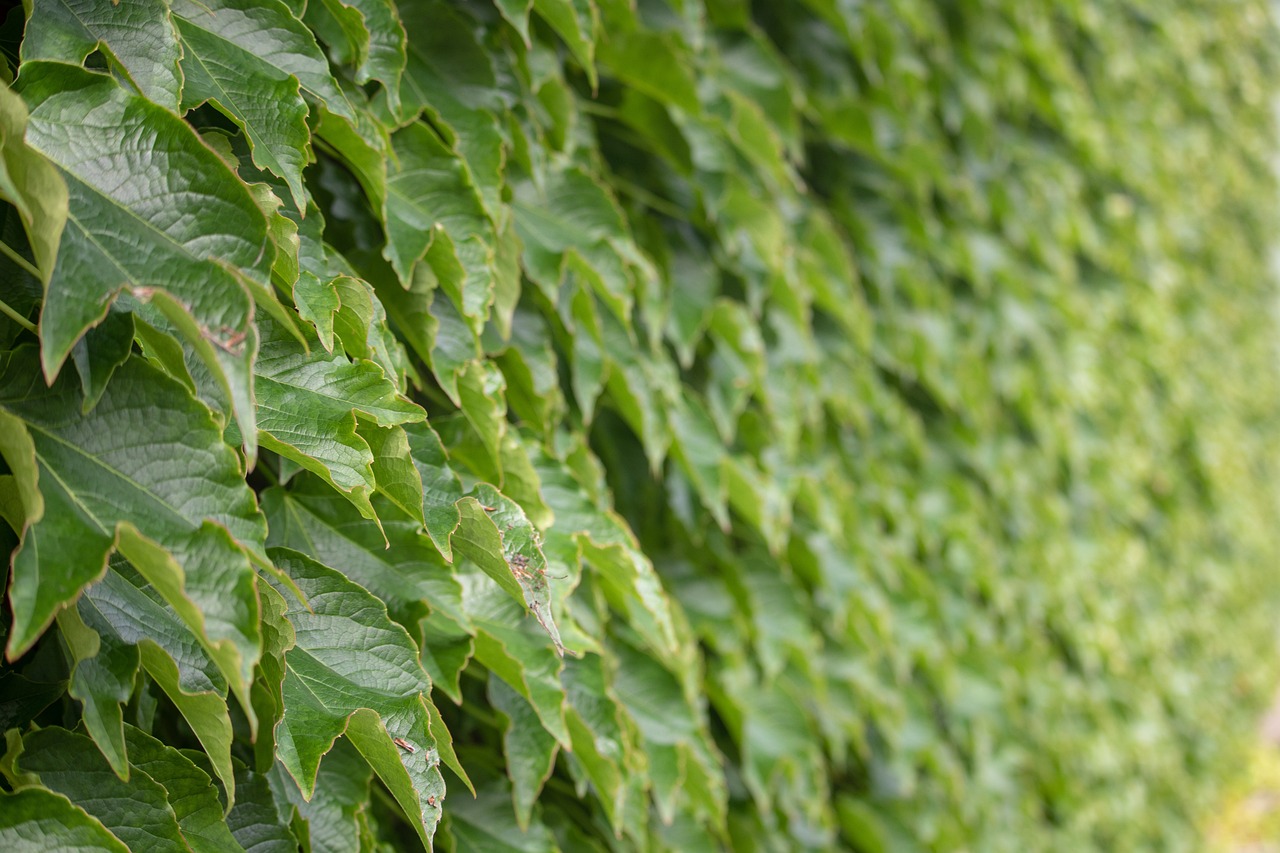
x: 892, y: 385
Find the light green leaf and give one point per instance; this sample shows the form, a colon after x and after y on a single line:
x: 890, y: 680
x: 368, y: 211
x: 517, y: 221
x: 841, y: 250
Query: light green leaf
x: 394, y: 472
x: 496, y: 535
x: 517, y: 652
x: 517, y: 14
x: 34, y: 820
x: 317, y: 301
x: 31, y: 183
x: 102, y: 679
x: 384, y: 58
x: 376, y: 692
x: 654, y: 63
x: 574, y: 21
x: 309, y: 405
x: 125, y: 613
x: 139, y: 37
x: 428, y: 189
x: 441, y: 489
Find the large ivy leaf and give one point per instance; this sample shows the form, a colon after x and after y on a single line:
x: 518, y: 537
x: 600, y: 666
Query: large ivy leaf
x: 172, y: 224
x: 375, y: 693
x: 109, y: 485
x: 137, y: 812
x: 34, y: 820
x: 139, y: 37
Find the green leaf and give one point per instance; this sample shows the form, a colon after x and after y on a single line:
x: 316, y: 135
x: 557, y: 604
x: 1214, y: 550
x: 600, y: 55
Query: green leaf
x: 518, y: 653
x: 125, y: 613
x: 139, y: 37
x: 441, y: 489
x: 488, y: 822
x: 100, y: 472
x: 102, y: 349
x: 102, y: 679
x: 317, y: 302
x: 656, y: 64
x: 309, y: 406
x: 384, y: 58
x: 376, y: 693
x: 172, y: 224
x: 137, y: 812
x: 517, y: 14
x: 574, y: 21
x: 408, y: 577
x: 252, y: 61
x: 31, y: 183
x: 258, y: 820
x: 451, y: 75
x: 529, y: 750
x: 496, y: 535
x: 428, y: 189
x: 190, y: 792
x: 341, y: 793
x: 34, y: 820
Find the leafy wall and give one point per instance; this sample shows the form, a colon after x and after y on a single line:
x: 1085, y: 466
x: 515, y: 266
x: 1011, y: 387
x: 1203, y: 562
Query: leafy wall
x: 792, y: 425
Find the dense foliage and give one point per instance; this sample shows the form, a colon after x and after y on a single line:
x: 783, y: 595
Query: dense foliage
x: 683, y: 424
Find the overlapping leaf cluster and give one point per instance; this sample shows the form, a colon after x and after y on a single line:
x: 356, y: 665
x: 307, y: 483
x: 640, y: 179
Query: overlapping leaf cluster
x: 685, y: 424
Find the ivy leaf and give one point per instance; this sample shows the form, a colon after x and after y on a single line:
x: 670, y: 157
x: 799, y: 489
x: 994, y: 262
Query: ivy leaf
x: 441, y: 489
x: 451, y: 75
x: 488, y: 822
x: 518, y: 653
x: 384, y: 58
x: 574, y: 21
x: 530, y: 751
x: 137, y: 812
x: 34, y: 820
x: 161, y: 216
x: 225, y: 61
x: 341, y: 793
x: 427, y: 190
x: 190, y: 792
x: 100, y: 474
x: 376, y: 693
x: 132, y: 624
x: 517, y: 14
x: 497, y: 536
x: 139, y: 37
x: 31, y: 183
x: 309, y: 405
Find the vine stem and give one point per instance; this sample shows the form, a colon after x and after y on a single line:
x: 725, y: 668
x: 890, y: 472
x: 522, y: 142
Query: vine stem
x: 13, y: 255
x: 17, y: 318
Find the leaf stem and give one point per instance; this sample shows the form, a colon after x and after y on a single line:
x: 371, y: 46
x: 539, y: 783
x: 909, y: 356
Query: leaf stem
x: 16, y: 317
x: 12, y: 254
